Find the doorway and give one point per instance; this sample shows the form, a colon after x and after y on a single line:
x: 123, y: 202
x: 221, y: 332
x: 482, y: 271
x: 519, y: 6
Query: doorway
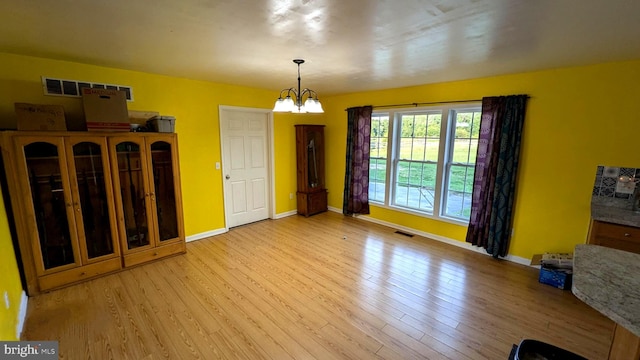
x: 246, y: 136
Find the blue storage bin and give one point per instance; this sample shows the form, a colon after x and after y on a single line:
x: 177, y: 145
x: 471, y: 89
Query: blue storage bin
x: 559, y: 278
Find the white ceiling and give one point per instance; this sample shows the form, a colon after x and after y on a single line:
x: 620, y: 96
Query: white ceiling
x: 349, y: 45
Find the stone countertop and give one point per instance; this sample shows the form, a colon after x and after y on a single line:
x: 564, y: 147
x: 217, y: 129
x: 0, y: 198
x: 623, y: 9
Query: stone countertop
x: 608, y: 280
x: 616, y: 211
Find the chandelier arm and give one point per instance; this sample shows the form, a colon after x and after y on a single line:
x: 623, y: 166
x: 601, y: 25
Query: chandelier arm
x: 312, y: 94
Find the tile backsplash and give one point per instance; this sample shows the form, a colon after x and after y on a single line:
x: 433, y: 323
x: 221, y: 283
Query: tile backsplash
x: 615, y: 182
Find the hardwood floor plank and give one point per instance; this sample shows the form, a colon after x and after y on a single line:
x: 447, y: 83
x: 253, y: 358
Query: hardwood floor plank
x: 324, y: 287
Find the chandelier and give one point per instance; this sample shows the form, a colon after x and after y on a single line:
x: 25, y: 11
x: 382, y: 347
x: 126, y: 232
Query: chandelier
x: 292, y: 102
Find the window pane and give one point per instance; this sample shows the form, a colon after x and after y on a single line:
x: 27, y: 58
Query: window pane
x: 418, y: 155
x: 415, y: 173
x: 405, y: 148
x: 432, y: 149
x: 464, y: 121
x: 378, y: 157
x: 459, y: 191
x: 473, y: 150
x: 403, y: 172
x: 461, y: 151
x: 463, y: 158
x: 434, y: 125
x: 429, y: 176
x: 417, y: 149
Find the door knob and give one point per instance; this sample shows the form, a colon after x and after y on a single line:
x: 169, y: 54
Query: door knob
x: 227, y: 177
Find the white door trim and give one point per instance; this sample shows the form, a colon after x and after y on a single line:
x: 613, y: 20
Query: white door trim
x: 271, y: 161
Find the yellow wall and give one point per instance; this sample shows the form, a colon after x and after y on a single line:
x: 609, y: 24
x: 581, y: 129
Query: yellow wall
x: 577, y: 118
x: 10, y: 281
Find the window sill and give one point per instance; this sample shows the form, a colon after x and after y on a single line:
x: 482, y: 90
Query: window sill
x: 421, y: 214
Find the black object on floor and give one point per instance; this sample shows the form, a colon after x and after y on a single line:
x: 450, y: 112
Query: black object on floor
x: 514, y: 350
x: 534, y: 350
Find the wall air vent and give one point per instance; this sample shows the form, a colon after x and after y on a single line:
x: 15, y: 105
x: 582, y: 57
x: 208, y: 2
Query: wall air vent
x: 73, y: 88
x: 403, y: 233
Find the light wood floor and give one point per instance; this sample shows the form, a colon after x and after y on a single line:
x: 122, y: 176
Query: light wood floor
x: 294, y: 288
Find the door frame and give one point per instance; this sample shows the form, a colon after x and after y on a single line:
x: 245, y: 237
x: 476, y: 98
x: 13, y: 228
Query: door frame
x: 270, y: 158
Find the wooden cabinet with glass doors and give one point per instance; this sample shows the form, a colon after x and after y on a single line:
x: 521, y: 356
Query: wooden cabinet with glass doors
x: 69, y: 194
x: 148, y: 197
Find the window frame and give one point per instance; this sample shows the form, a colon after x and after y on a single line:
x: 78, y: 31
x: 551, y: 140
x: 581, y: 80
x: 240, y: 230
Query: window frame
x: 444, y: 159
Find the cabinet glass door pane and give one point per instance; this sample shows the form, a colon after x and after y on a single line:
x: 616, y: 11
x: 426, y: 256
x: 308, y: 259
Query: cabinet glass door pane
x: 133, y: 194
x: 93, y: 198
x: 165, y: 194
x: 313, y: 174
x: 43, y: 165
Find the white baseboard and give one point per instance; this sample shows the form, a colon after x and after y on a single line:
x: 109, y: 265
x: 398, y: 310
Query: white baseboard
x: 215, y: 232
x: 206, y: 234
x: 334, y: 209
x: 22, y: 314
x: 460, y: 244
x: 285, y: 214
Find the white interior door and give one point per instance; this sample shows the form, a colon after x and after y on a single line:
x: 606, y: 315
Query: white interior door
x: 245, y: 164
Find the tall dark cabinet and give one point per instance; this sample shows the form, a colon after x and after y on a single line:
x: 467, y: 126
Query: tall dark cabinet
x: 312, y: 194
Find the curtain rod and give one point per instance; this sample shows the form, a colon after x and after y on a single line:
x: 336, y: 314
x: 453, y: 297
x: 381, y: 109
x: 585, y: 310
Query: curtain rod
x: 416, y: 104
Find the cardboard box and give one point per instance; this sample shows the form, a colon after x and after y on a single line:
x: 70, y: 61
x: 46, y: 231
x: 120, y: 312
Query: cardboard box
x: 40, y: 117
x: 141, y: 117
x: 105, y: 109
x: 559, y: 278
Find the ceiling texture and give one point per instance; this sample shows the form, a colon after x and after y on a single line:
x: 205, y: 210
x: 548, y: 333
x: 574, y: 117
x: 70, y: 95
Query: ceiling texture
x: 348, y: 45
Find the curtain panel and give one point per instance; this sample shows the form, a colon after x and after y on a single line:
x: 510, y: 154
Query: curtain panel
x: 494, y: 184
x: 356, y: 177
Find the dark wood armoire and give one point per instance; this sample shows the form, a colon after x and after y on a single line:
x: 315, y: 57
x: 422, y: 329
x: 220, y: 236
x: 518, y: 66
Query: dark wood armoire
x: 312, y: 194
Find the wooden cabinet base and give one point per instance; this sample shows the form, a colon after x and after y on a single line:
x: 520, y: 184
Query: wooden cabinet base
x: 75, y: 275
x: 625, y: 345
x: 159, y: 252
x: 312, y: 203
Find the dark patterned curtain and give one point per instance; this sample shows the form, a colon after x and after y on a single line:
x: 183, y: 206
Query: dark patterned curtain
x: 356, y: 177
x: 496, y: 170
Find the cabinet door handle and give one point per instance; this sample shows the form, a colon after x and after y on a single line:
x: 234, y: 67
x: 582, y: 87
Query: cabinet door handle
x: 627, y: 234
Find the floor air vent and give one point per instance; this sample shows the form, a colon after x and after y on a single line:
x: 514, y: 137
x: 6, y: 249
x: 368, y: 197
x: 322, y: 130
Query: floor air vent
x: 73, y: 88
x: 403, y: 233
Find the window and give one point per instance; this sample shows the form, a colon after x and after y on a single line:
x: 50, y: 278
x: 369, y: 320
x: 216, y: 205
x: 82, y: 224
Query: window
x: 378, y: 157
x: 73, y: 88
x: 423, y: 160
